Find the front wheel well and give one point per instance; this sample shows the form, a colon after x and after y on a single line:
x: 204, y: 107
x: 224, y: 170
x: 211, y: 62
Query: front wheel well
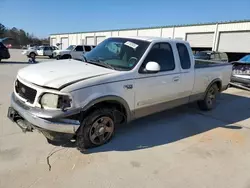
x: 119, y: 110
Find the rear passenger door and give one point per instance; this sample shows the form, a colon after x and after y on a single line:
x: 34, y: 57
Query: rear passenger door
x: 187, y: 71
x: 155, y: 92
x: 77, y: 52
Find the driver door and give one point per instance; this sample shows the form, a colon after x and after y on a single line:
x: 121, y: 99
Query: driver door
x: 77, y: 52
x: 48, y: 51
x: 155, y: 92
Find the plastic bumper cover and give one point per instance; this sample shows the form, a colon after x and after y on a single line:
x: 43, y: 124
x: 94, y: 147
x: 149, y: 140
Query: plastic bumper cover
x: 30, y: 114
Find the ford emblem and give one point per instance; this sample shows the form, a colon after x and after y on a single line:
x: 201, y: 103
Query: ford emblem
x: 23, y: 89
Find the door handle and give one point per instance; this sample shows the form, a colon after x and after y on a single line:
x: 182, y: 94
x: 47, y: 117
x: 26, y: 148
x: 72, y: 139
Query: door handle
x: 176, y: 79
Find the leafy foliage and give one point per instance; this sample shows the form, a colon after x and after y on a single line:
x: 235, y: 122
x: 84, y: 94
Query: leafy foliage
x: 20, y: 38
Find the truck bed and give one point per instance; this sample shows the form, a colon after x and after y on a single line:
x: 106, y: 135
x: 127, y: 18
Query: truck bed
x: 207, y: 63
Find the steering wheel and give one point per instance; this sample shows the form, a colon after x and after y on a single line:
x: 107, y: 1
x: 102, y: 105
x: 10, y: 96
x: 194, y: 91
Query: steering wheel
x: 132, y: 61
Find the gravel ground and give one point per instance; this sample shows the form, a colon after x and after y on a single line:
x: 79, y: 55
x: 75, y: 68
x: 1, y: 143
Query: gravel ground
x: 178, y: 148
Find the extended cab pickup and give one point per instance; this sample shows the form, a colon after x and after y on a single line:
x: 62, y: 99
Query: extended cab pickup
x: 122, y: 79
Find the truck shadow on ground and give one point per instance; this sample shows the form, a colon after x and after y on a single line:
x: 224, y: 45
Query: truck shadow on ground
x: 23, y: 62
x: 18, y: 62
x: 173, y: 125
x: 177, y: 124
x: 13, y: 62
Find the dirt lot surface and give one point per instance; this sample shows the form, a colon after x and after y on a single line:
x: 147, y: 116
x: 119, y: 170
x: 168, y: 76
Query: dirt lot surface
x: 179, y: 148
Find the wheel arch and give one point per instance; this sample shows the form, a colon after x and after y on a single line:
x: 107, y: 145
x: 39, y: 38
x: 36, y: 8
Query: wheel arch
x: 66, y: 56
x: 33, y: 53
x: 216, y: 81
x: 108, y: 101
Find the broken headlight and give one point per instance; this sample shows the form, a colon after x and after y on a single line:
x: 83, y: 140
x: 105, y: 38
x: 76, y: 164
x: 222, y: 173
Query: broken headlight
x: 55, y: 101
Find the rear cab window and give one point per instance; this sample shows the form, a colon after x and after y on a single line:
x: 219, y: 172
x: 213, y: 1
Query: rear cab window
x: 184, y: 56
x: 87, y: 48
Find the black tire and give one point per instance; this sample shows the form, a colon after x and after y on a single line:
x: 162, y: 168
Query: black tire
x: 92, y: 125
x: 32, y: 55
x: 0, y: 60
x: 209, y: 101
x: 58, y: 57
x: 66, y: 57
x: 51, y: 56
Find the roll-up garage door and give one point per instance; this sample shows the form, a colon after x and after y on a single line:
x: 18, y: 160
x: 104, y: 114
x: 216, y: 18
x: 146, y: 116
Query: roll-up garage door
x: 200, y: 40
x: 99, y: 39
x: 90, y: 40
x: 65, y: 43
x: 53, y: 41
x: 234, y: 42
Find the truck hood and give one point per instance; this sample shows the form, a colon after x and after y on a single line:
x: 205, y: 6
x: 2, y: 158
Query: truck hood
x: 59, y: 74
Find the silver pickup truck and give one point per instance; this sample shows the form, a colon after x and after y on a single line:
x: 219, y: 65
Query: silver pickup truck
x: 122, y: 79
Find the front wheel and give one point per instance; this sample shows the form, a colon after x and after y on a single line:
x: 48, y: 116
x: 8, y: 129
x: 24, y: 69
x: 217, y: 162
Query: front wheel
x: 96, y: 129
x: 209, y: 102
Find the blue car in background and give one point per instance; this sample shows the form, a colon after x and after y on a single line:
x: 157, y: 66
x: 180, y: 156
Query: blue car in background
x: 241, y: 71
x: 245, y: 59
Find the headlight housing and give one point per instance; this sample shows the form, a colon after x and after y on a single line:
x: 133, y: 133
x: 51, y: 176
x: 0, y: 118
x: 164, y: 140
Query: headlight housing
x: 55, y: 101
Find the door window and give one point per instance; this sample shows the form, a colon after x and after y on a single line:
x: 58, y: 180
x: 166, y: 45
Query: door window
x: 87, y: 48
x: 161, y: 53
x: 79, y: 49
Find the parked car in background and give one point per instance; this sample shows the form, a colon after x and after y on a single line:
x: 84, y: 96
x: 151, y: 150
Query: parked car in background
x: 73, y: 51
x: 40, y: 51
x: 4, y: 51
x: 241, y: 71
x: 211, y: 55
x: 122, y: 79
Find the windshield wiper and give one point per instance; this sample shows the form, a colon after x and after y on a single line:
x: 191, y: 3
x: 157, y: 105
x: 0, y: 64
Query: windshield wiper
x: 101, y: 63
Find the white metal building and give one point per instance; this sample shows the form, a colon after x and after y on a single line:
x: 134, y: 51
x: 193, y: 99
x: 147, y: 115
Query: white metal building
x: 229, y: 37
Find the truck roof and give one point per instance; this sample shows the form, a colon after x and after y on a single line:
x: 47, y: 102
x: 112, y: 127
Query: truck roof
x: 152, y: 38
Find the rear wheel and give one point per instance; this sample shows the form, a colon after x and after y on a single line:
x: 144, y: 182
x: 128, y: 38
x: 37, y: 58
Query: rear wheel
x: 96, y: 129
x: 209, y: 102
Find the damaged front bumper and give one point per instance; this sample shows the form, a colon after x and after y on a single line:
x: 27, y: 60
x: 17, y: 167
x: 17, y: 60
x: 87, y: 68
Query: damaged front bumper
x: 29, y: 118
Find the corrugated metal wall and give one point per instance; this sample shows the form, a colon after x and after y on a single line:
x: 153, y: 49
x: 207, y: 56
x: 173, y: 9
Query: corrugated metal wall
x: 179, y: 32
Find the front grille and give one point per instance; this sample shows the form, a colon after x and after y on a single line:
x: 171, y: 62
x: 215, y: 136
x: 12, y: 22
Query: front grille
x: 25, y: 92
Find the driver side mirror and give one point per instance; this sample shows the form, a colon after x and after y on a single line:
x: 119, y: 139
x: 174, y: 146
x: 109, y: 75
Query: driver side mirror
x: 152, y: 67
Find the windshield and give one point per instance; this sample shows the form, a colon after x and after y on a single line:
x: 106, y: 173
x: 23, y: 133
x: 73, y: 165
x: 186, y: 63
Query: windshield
x: 245, y: 59
x: 119, y: 53
x: 71, y: 47
x: 40, y: 48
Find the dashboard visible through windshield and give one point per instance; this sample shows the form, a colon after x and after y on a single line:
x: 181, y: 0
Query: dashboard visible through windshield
x: 119, y: 53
